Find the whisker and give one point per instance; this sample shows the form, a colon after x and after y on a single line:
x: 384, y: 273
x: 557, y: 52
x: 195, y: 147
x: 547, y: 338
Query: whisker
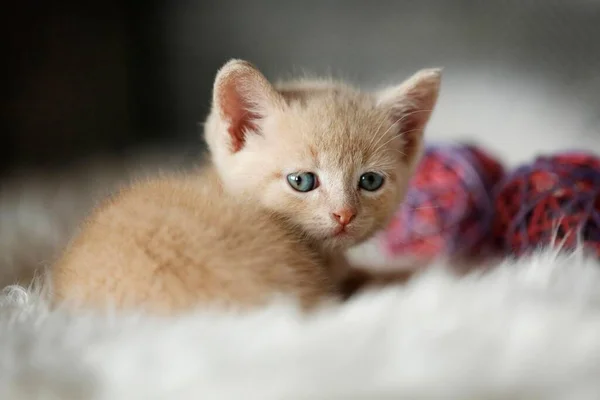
x: 399, y: 120
x: 385, y: 133
x: 392, y: 138
x: 383, y: 144
x: 383, y: 119
x: 414, y: 112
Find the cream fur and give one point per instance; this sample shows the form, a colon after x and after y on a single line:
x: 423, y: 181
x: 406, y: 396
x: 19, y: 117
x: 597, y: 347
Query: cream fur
x: 175, y: 242
x: 40, y: 210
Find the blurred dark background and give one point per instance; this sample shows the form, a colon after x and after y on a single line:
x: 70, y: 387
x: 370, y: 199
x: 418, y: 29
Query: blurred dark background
x: 109, y: 76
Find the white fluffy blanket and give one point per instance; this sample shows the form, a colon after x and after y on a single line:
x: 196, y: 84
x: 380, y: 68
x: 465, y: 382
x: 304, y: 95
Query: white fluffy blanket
x: 527, y: 330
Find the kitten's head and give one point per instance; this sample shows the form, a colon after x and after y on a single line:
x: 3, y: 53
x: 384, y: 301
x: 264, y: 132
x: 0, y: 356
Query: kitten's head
x: 333, y: 160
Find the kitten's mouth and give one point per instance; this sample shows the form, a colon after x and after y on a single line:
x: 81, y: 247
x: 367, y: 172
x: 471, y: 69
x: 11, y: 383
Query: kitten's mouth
x: 340, y: 231
x: 339, y: 238
x: 339, y: 235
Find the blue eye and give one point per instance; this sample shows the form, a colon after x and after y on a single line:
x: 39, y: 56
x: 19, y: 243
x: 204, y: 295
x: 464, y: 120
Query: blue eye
x: 370, y: 181
x: 303, y: 181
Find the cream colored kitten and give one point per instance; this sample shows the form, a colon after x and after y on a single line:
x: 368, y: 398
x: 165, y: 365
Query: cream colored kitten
x: 307, y: 165
x: 334, y: 160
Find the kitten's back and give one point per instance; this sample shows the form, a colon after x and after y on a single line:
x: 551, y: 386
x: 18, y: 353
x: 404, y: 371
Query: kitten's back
x: 178, y: 242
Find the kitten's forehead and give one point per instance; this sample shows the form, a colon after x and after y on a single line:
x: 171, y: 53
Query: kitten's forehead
x: 337, y: 128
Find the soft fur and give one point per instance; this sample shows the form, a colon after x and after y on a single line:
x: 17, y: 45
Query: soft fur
x: 40, y: 210
x: 177, y: 241
x: 528, y: 330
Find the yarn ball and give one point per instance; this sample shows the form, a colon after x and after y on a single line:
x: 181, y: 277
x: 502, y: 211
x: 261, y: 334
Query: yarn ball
x: 448, y: 209
x: 554, y: 201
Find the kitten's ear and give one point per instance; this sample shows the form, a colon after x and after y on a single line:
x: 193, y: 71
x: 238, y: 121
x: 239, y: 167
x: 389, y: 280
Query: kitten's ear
x: 242, y: 96
x: 410, y: 105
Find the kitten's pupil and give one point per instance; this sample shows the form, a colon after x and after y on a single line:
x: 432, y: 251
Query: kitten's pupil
x: 370, y: 181
x: 303, y: 181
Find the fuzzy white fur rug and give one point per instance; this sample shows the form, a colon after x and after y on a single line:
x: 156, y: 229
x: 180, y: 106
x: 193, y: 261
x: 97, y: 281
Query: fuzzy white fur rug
x: 527, y: 330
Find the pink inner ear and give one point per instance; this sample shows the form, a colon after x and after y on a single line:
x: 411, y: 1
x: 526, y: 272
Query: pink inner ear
x: 235, y: 109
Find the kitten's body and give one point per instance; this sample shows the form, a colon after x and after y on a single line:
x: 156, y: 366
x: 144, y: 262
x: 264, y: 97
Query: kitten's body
x: 179, y: 242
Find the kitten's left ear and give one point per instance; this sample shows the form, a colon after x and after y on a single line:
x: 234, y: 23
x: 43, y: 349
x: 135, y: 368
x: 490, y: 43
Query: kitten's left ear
x: 410, y: 105
x: 242, y: 97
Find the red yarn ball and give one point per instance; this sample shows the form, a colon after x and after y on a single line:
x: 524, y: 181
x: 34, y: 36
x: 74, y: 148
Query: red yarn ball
x: 554, y: 201
x: 448, y: 208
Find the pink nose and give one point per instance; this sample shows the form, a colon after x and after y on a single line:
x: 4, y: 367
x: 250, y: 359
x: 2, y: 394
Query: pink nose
x: 344, y: 216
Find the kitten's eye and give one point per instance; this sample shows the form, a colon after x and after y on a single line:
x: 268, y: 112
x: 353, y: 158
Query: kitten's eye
x: 370, y: 181
x: 303, y: 181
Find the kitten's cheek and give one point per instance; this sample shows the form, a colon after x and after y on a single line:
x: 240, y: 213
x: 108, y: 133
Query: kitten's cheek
x: 368, y: 227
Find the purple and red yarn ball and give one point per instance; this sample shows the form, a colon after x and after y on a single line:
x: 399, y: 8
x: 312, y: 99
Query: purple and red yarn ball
x: 448, y: 208
x: 554, y: 201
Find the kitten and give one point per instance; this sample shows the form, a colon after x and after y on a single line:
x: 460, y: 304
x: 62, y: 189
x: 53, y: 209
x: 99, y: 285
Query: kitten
x: 333, y: 160
x: 305, y: 166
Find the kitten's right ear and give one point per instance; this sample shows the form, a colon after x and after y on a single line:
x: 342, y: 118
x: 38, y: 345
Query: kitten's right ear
x: 242, y: 96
